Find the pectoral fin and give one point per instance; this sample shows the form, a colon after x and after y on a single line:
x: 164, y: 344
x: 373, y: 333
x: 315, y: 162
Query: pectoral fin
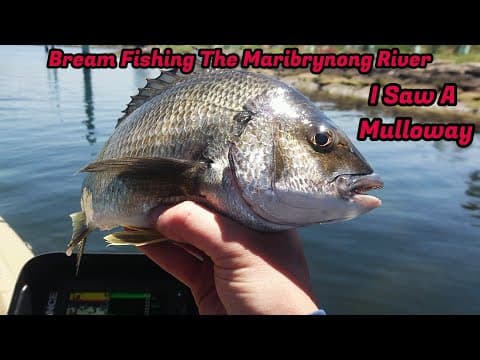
x: 154, y: 166
x: 179, y: 177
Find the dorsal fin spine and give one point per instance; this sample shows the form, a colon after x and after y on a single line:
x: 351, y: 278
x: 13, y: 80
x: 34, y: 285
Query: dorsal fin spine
x: 154, y: 87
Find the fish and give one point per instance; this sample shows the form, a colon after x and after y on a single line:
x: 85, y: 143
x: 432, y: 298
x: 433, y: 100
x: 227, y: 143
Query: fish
x: 241, y: 143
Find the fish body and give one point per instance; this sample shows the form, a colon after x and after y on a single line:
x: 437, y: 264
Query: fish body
x: 244, y: 144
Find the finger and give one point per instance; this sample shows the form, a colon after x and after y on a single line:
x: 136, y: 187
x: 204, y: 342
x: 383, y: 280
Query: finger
x: 191, y: 250
x: 212, y: 233
x: 175, y: 261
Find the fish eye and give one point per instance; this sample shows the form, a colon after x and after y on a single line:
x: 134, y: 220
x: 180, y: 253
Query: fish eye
x: 323, y: 140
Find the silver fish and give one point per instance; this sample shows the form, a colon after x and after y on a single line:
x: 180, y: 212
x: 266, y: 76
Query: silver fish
x: 244, y: 144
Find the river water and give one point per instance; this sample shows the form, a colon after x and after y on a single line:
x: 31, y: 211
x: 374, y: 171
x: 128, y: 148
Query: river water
x: 417, y: 254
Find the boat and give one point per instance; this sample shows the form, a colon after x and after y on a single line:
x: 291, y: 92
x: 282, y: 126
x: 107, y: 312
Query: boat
x: 107, y: 284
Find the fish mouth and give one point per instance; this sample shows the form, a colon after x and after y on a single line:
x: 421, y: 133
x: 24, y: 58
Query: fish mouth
x: 354, y: 187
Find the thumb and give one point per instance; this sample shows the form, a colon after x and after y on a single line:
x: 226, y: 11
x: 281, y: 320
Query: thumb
x: 193, y: 224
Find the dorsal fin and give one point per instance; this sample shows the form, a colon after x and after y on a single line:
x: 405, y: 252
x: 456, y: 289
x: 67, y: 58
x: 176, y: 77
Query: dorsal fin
x: 156, y: 86
x: 153, y: 88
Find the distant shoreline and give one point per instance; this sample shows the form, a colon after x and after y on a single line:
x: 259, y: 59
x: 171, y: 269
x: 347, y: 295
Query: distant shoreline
x: 347, y: 88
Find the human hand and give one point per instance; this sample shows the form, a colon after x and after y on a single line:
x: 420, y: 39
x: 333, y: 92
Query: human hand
x: 242, y: 271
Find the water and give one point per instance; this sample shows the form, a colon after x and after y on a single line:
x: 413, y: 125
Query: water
x: 417, y: 254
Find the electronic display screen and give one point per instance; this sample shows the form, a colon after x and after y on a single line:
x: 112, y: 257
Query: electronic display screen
x: 115, y: 303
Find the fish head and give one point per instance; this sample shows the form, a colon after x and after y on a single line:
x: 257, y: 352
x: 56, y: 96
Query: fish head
x: 295, y: 167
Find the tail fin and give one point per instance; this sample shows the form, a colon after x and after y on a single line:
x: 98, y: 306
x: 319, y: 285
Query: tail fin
x: 79, y: 235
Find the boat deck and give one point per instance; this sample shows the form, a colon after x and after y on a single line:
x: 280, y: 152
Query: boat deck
x: 14, y: 253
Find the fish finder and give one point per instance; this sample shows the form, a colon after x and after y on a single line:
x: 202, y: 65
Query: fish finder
x: 107, y: 284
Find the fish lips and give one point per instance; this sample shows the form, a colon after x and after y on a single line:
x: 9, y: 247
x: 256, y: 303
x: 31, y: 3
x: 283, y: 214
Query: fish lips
x: 352, y: 187
x: 348, y: 201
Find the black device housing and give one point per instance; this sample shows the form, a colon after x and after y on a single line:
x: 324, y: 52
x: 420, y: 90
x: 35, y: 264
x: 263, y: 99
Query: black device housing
x: 107, y: 284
